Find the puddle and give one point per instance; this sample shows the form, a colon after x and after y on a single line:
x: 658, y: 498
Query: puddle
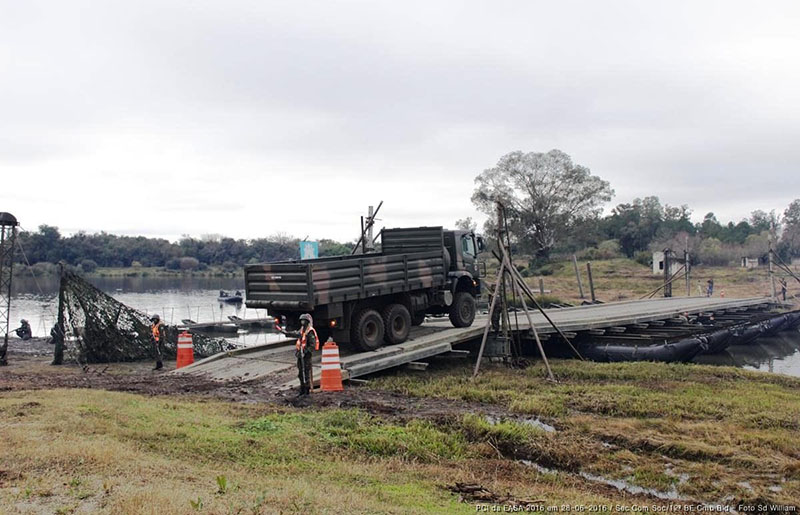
x: 619, y: 484
x: 538, y: 468
x: 535, y: 422
x: 625, y: 486
x: 682, y: 477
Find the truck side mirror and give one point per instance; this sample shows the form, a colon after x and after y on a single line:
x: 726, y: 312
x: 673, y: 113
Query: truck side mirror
x: 480, y: 243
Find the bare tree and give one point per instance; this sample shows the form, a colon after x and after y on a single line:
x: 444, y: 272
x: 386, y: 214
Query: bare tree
x: 544, y: 194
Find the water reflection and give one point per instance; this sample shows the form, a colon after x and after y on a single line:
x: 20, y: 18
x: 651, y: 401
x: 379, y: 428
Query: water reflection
x: 779, y: 354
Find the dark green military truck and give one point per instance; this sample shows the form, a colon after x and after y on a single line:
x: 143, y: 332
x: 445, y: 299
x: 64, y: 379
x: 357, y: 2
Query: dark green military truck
x: 367, y: 299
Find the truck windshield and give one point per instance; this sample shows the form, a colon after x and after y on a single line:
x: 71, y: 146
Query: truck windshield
x: 468, y: 245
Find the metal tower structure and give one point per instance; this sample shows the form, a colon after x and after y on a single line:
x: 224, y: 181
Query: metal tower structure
x: 8, y: 239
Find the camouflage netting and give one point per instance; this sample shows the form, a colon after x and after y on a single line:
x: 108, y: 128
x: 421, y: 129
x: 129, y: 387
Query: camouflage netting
x: 107, y: 330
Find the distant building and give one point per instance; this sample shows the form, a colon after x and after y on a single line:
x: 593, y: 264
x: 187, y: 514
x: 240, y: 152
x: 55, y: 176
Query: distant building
x: 675, y: 263
x: 748, y: 262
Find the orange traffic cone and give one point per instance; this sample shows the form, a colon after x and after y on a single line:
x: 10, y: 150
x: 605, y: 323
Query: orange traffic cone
x: 331, y: 380
x: 185, y: 350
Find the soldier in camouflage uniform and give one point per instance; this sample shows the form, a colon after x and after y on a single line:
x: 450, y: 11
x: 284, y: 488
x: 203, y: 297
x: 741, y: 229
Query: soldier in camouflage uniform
x: 307, y: 340
x: 158, y: 337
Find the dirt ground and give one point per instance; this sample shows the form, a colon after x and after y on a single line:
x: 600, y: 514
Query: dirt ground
x: 29, y: 368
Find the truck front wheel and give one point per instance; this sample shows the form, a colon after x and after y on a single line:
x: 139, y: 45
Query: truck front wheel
x: 368, y: 329
x: 462, y: 310
x: 397, y: 321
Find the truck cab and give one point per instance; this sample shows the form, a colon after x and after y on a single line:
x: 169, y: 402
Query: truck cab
x: 464, y: 247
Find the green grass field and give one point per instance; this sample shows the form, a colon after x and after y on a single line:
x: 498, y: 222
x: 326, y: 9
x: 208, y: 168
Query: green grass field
x: 703, y: 434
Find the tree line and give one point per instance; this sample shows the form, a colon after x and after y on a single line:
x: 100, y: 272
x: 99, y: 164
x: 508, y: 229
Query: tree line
x: 48, y: 245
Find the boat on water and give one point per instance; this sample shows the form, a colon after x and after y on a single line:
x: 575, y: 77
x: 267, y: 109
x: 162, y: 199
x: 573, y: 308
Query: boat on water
x: 209, y: 327
x: 230, y: 298
x: 253, y: 323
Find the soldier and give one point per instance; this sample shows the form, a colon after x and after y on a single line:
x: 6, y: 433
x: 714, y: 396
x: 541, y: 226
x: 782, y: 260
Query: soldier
x: 306, y: 340
x: 24, y: 330
x: 783, y: 288
x: 157, y: 329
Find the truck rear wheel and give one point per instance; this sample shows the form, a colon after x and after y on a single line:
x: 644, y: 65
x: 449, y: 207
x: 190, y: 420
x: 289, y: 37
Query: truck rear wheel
x: 397, y: 323
x: 417, y: 318
x: 368, y: 329
x: 462, y: 310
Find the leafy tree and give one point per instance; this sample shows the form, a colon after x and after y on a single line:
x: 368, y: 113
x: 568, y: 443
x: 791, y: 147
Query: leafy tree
x: 466, y: 224
x: 188, y: 263
x: 762, y: 221
x: 544, y: 195
x: 333, y: 248
x: 790, y: 239
x: 88, y: 265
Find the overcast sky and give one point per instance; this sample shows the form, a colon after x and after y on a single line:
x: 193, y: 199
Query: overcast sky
x: 250, y: 118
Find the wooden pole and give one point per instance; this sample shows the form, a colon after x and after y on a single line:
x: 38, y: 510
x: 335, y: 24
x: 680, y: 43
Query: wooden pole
x: 577, y: 275
x: 686, y: 265
x: 771, y: 273
x: 489, y: 320
x: 667, y: 273
x: 591, y: 282
x: 529, y: 293
x: 541, y: 286
x: 58, y: 337
x: 514, y: 282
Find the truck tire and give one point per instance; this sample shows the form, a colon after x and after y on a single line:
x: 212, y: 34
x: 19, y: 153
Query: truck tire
x: 462, y: 310
x: 397, y: 323
x: 417, y: 318
x: 367, y: 330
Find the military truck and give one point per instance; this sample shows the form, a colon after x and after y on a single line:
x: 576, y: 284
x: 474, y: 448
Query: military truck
x: 369, y: 299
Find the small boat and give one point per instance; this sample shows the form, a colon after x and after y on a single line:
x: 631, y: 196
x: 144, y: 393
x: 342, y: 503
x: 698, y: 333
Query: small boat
x: 235, y: 298
x: 252, y: 323
x: 209, y: 327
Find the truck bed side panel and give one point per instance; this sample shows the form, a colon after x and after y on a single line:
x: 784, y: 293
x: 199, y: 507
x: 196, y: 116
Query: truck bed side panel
x: 410, y: 240
x: 286, y: 285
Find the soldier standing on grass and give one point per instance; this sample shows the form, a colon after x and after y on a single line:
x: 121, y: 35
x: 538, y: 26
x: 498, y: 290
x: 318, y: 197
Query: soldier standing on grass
x: 307, y: 340
x: 157, y: 330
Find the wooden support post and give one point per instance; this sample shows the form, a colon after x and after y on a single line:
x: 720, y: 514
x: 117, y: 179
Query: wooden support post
x: 496, y: 294
x: 516, y: 286
x: 591, y: 282
x: 58, y: 337
x: 667, y: 273
x: 529, y: 293
x: 577, y: 275
x: 541, y: 286
x: 771, y: 273
x: 686, y: 270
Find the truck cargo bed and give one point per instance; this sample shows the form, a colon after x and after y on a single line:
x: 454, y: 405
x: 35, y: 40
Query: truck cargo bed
x: 413, y: 259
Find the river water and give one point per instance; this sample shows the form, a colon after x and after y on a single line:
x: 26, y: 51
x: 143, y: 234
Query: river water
x: 174, y: 298
x: 177, y: 298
